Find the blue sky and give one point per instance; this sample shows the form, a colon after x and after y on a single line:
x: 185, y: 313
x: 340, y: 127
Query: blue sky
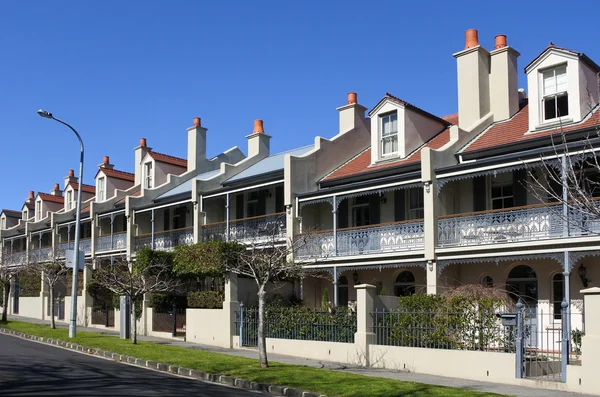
x: 121, y: 70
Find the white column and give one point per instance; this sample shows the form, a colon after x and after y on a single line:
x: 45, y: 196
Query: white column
x: 365, y: 305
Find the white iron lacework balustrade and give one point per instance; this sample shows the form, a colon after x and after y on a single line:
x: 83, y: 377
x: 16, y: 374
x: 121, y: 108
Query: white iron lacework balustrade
x: 390, y: 237
x: 166, y: 241
x: 116, y: 241
x: 514, y: 225
x: 85, y: 245
x: 16, y: 258
x: 45, y: 253
x: 267, y: 227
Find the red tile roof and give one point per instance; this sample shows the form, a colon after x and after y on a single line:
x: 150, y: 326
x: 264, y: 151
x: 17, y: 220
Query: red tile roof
x: 9, y: 212
x: 134, y: 194
x: 126, y: 176
x: 51, y: 198
x: 86, y: 188
x: 516, y: 129
x: 451, y: 118
x: 362, y: 163
x: 165, y: 158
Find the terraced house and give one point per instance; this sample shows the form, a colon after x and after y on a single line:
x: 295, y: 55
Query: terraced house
x: 398, y: 197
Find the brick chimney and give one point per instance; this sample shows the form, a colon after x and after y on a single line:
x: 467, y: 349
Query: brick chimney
x: 259, y: 143
x: 56, y: 191
x: 140, y: 153
x: 351, y: 113
x: 31, y: 197
x: 196, y: 145
x: 70, y: 178
x: 504, y: 84
x: 106, y: 163
x: 473, y: 70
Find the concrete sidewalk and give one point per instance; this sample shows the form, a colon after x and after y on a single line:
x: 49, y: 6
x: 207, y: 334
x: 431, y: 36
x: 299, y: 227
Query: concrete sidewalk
x: 510, y: 390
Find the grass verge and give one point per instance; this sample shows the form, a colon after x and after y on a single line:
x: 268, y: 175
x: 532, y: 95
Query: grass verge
x: 329, y: 382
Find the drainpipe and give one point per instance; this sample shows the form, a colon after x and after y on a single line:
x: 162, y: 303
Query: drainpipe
x: 566, y: 260
x: 152, y: 232
x: 227, y: 217
x: 334, y: 212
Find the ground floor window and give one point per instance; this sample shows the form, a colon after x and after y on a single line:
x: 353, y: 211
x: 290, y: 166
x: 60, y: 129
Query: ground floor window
x: 558, y: 294
x: 404, y: 284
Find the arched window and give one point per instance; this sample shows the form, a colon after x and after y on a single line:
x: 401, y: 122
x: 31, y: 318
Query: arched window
x: 487, y: 281
x: 522, y: 283
x: 343, y: 291
x: 558, y: 294
x: 378, y: 287
x: 404, y: 284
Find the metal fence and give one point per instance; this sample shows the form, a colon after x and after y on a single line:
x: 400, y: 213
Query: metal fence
x: 299, y: 323
x: 473, y: 330
x: 103, y: 316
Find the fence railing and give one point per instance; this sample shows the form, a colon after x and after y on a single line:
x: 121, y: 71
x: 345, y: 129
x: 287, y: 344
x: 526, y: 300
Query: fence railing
x: 389, y: 237
x: 482, y: 331
x: 172, y: 321
x: 103, y: 316
x: 116, y: 241
x: 299, y: 323
x: 265, y: 227
x: 167, y: 240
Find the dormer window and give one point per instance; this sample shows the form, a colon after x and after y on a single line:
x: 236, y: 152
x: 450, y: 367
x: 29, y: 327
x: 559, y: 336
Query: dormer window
x: 3, y: 223
x: 149, y: 182
x: 555, y: 97
x: 101, y: 189
x: 25, y: 215
x: 38, y: 206
x: 69, y: 199
x: 389, y: 134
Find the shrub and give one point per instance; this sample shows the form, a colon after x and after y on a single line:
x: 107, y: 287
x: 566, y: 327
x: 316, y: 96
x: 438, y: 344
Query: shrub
x: 30, y: 284
x: 164, y: 303
x: 205, y: 299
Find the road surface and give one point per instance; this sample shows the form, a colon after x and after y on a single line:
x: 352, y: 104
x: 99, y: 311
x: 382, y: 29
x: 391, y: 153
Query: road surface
x: 33, y: 369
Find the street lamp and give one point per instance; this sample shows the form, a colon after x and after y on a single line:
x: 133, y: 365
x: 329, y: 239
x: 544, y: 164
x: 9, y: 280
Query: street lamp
x: 73, y: 321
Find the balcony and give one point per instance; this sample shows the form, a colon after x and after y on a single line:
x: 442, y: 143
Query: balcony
x: 112, y: 242
x: 15, y: 258
x: 372, y: 239
x: 530, y: 223
x: 85, y: 245
x: 255, y: 229
x: 165, y: 241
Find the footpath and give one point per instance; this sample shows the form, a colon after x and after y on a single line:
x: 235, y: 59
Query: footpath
x: 510, y: 390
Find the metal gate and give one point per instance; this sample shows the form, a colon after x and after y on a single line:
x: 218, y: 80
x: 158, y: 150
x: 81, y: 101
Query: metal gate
x: 246, y: 326
x: 16, y: 292
x: 541, y: 341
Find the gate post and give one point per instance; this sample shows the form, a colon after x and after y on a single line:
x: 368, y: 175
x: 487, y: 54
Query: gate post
x: 174, y: 333
x: 565, y: 341
x: 519, y: 341
x: 241, y: 324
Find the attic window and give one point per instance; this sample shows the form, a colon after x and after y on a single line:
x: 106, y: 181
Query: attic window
x: 101, y: 189
x: 389, y: 134
x: 149, y: 182
x: 25, y: 215
x: 556, y: 98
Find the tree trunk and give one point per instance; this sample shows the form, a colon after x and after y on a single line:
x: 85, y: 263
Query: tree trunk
x: 133, y: 323
x: 51, y: 298
x: 5, y: 302
x: 262, y: 343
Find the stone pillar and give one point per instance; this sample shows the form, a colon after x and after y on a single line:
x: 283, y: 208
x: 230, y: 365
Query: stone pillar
x: 231, y: 304
x: 87, y: 299
x: 431, y: 203
x: 590, y: 342
x: 364, y: 336
x: 43, y: 295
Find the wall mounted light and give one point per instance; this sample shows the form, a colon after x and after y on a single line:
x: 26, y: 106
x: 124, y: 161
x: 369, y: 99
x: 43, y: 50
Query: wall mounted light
x: 427, y: 186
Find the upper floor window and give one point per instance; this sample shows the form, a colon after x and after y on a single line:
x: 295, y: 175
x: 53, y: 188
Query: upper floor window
x: 252, y: 205
x: 149, y: 182
x: 38, y: 207
x: 502, y: 195
x: 389, y: 134
x: 25, y: 215
x: 416, y: 204
x: 3, y: 223
x: 361, y: 214
x: 556, y: 99
x: 101, y: 189
x: 69, y: 199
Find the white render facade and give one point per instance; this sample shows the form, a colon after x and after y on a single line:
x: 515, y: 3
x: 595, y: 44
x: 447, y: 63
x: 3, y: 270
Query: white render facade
x: 398, y: 198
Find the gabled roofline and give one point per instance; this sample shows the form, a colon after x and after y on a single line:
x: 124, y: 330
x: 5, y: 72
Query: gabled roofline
x: 390, y: 97
x: 551, y: 47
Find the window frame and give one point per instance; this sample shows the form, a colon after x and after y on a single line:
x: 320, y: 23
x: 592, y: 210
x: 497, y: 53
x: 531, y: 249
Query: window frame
x: 409, y: 204
x: 392, y: 134
x: 149, y: 175
x: 555, y: 95
x: 102, y: 189
x: 69, y: 199
x: 358, y: 204
x: 495, y: 182
x: 38, y: 210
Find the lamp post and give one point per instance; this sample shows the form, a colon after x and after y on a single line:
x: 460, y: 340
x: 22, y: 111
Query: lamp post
x: 73, y: 321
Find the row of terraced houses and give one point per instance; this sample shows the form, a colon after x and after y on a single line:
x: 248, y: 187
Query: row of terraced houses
x: 398, y: 197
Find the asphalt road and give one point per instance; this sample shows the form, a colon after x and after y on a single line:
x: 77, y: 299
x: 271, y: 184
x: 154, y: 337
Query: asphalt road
x: 34, y: 369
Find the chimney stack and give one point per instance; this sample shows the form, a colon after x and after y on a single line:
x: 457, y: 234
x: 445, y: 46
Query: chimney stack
x: 473, y: 70
x: 140, y: 153
x: 106, y: 163
x: 31, y: 197
x: 196, y: 145
x: 504, y: 84
x: 56, y: 191
x: 259, y: 143
x: 352, y: 114
x: 70, y: 178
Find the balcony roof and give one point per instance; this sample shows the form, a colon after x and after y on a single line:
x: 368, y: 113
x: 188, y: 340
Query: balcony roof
x: 186, y: 187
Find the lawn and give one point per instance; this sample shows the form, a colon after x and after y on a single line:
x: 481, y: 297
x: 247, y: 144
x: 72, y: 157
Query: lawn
x: 329, y: 382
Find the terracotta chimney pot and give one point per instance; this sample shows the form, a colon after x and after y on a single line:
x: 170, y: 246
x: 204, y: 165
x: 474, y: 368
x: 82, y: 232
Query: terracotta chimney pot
x: 196, y: 121
x: 31, y: 194
x: 352, y: 98
x: 500, y: 41
x: 258, y: 127
x: 471, y: 38
x: 143, y: 142
x: 56, y: 186
x: 71, y: 173
x: 106, y: 160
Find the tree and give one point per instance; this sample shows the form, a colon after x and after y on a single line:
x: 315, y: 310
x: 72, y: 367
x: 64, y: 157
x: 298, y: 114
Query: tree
x: 9, y: 272
x: 52, y: 272
x: 151, y: 272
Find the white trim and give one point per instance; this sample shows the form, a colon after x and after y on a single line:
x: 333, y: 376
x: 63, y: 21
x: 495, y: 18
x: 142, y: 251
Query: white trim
x: 364, y: 263
x: 366, y: 189
x: 68, y: 223
x: 105, y: 214
x: 244, y: 189
x: 14, y: 237
x: 510, y: 253
x: 161, y: 206
x: 41, y: 231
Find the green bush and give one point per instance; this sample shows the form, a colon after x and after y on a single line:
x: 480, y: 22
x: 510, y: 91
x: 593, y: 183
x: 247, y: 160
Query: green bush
x: 205, y: 299
x: 30, y: 284
x: 164, y: 303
